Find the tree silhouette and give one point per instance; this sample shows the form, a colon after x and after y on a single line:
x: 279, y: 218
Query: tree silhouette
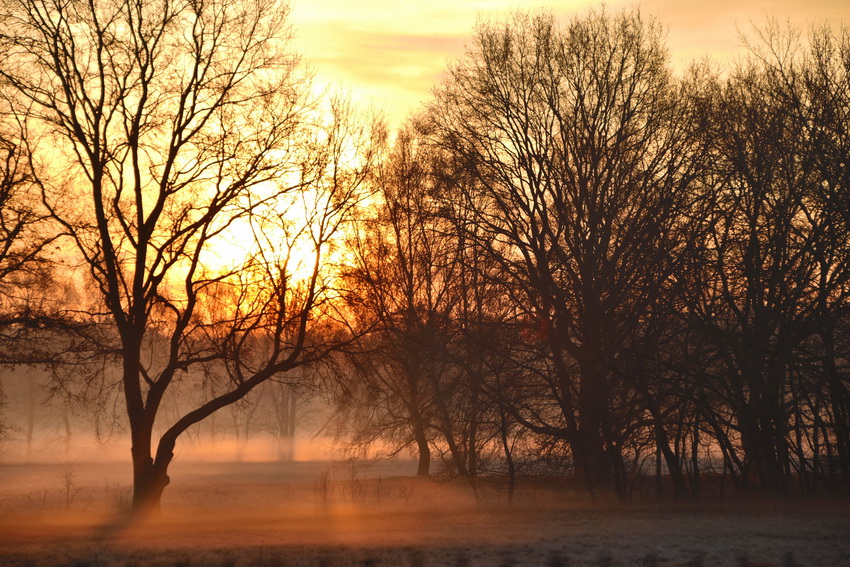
x: 174, y: 129
x: 581, y: 157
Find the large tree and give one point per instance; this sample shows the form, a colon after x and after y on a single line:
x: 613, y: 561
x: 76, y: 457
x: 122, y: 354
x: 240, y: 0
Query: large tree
x: 197, y: 185
x: 767, y: 284
x: 399, y: 277
x: 578, y: 154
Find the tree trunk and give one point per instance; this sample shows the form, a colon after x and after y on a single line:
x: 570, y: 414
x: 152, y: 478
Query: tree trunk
x: 838, y: 398
x: 674, y: 465
x: 509, y: 457
x: 149, y: 481
x: 290, y: 437
x: 149, y: 476
x: 67, y: 441
x: 458, y: 457
x: 474, y: 421
x: 594, y: 460
x: 424, y: 467
x: 695, y: 465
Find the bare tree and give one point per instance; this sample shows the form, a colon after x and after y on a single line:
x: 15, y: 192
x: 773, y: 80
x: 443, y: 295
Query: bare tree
x: 28, y: 309
x: 28, y: 292
x: 768, y: 281
x: 397, y: 285
x: 823, y: 108
x: 579, y: 156
x: 175, y: 129
x: 24, y: 233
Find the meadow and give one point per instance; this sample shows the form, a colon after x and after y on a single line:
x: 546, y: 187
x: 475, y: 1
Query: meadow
x: 352, y: 513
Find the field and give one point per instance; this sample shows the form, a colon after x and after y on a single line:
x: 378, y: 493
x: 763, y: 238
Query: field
x: 355, y: 514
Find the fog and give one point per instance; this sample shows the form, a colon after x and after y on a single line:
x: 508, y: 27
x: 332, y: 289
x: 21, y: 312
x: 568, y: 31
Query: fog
x: 375, y: 513
x: 39, y: 425
x: 242, y: 494
x: 86, y: 447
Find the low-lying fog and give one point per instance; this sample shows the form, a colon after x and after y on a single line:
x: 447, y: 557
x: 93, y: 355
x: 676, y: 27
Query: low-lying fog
x: 376, y: 513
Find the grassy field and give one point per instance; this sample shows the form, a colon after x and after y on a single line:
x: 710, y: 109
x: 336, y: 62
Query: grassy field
x: 353, y: 514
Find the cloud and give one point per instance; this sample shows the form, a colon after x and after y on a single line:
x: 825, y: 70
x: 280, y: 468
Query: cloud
x: 398, y: 69
x: 394, y: 52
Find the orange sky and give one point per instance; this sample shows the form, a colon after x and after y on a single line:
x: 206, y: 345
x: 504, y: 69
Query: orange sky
x: 391, y: 52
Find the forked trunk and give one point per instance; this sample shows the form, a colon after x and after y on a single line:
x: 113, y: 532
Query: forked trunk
x: 149, y: 481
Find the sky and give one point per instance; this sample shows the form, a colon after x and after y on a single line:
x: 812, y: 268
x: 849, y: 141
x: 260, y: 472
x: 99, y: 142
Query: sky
x: 389, y: 53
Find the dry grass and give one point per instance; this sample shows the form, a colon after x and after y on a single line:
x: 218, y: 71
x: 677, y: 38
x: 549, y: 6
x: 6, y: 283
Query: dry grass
x: 318, y: 514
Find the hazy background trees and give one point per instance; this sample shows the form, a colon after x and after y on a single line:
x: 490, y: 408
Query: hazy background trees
x: 33, y: 311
